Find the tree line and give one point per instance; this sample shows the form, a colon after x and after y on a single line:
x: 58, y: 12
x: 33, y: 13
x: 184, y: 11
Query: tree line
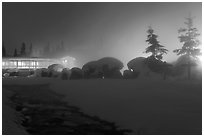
x: 30, y: 51
x: 190, y: 45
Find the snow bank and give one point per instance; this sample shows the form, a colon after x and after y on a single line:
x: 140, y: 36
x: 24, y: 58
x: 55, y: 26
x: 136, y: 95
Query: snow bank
x: 145, y: 105
x: 11, y: 120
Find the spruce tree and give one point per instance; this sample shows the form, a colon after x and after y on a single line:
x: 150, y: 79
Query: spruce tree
x: 188, y: 37
x: 15, y: 53
x: 154, y: 61
x: 155, y: 48
x: 31, y: 49
x: 23, y: 49
x: 3, y: 50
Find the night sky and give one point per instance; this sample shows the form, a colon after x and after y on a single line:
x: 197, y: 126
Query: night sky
x: 94, y: 30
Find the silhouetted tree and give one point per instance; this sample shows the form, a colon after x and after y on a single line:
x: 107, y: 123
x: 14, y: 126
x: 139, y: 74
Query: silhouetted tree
x: 62, y: 46
x: 46, y: 49
x: 15, y: 53
x: 190, y: 43
x: 3, y: 50
x: 155, y: 48
x: 23, y: 49
x: 31, y: 49
x: 154, y: 61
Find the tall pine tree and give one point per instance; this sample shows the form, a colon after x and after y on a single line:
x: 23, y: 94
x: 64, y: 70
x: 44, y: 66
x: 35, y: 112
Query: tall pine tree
x: 155, y: 48
x: 3, y: 50
x: 31, y: 50
x: 23, y: 49
x: 188, y: 37
x: 15, y: 53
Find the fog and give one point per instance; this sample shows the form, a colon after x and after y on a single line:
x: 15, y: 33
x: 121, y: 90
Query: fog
x: 94, y: 30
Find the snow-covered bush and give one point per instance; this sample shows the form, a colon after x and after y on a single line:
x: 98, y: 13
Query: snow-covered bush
x: 44, y: 72
x: 14, y: 74
x: 154, y: 64
x: 116, y: 75
x: 38, y: 73
x: 107, y: 67
x: 127, y: 74
x: 138, y: 66
x: 55, y: 70
x: 65, y: 74
x: 90, y: 70
x: 56, y: 67
x: 179, y: 68
x: 76, y: 73
x: 110, y: 63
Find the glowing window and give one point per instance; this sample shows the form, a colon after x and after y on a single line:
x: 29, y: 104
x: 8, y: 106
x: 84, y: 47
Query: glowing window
x: 19, y: 63
x: 32, y: 63
x: 15, y: 63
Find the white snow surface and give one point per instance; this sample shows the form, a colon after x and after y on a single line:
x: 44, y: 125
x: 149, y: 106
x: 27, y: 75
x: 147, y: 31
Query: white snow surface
x: 144, y: 105
x: 11, y: 120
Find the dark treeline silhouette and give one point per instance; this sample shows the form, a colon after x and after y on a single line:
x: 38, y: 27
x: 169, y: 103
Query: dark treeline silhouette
x: 3, y: 50
x: 28, y: 50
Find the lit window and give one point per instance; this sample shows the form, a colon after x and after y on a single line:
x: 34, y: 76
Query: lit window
x: 3, y: 63
x: 23, y: 63
x: 32, y: 63
x: 19, y: 63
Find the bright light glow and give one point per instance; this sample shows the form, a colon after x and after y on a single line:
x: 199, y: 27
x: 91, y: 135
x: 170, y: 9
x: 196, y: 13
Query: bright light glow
x: 68, y: 62
x: 200, y: 58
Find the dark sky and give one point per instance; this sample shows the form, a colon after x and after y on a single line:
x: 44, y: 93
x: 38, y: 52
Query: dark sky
x: 94, y: 30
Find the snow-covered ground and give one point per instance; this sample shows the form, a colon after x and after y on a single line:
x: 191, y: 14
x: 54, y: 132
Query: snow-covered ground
x: 146, y: 106
x: 11, y: 120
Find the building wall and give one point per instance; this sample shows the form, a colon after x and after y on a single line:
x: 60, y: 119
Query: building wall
x: 34, y: 63
x: 26, y: 63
